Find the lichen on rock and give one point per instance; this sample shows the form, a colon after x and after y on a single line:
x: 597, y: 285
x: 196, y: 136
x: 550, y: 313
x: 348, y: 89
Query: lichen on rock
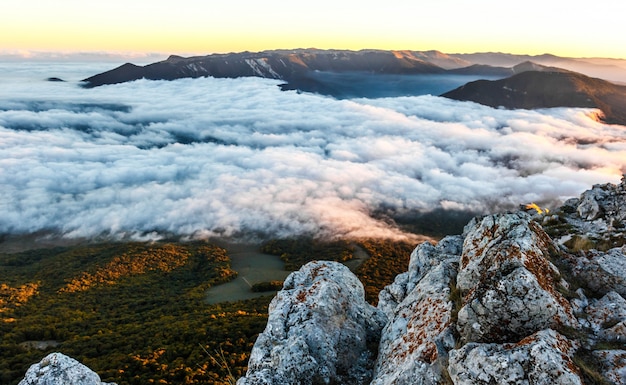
x: 320, y: 331
x: 545, y: 358
x: 509, y: 281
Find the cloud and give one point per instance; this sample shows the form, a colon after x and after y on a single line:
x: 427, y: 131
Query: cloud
x: 201, y: 157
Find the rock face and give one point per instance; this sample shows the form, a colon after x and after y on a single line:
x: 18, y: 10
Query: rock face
x: 420, y: 332
x: 503, y: 303
x: 509, y: 281
x: 542, y: 358
x: 320, y: 331
x: 57, y: 368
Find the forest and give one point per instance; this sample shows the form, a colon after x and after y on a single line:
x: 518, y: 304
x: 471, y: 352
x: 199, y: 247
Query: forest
x: 135, y: 312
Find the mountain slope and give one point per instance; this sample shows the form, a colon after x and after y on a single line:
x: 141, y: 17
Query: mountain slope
x: 535, y: 89
x: 285, y: 65
x: 613, y: 70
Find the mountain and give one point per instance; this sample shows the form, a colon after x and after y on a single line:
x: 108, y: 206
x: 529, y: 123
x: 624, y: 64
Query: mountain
x: 288, y: 65
x: 546, y: 89
x: 296, y: 66
x: 613, y: 70
x: 526, y: 297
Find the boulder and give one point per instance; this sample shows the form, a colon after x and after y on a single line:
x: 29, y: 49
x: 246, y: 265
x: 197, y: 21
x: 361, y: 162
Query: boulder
x: 508, y: 281
x: 56, y: 368
x: 544, y: 358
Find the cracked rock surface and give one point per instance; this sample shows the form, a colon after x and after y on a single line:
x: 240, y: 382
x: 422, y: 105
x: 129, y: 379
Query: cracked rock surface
x: 319, y: 331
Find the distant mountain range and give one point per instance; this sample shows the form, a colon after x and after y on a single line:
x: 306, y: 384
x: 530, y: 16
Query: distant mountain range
x: 513, y: 81
x: 537, y: 89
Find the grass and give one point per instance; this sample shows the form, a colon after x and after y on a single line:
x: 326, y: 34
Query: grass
x: 590, y: 368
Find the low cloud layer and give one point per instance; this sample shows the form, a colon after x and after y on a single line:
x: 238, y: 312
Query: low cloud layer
x: 202, y: 157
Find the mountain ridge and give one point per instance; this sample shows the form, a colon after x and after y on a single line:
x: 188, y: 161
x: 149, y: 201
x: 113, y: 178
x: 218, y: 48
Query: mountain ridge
x: 547, y: 89
x: 289, y: 64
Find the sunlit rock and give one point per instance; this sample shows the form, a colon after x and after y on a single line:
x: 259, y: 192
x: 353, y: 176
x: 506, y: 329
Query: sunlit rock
x: 508, y: 281
x: 320, y: 331
x: 415, y: 341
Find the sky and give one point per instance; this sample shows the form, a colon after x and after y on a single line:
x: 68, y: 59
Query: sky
x: 564, y: 28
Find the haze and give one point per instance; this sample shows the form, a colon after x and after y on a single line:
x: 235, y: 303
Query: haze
x: 198, y: 27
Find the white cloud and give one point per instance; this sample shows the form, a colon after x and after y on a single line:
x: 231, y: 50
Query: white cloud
x: 225, y: 156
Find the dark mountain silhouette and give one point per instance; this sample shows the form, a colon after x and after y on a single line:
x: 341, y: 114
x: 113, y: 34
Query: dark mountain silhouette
x: 545, y: 89
x: 291, y: 66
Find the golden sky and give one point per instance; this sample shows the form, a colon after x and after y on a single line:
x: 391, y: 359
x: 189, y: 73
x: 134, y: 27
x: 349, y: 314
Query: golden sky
x: 187, y: 27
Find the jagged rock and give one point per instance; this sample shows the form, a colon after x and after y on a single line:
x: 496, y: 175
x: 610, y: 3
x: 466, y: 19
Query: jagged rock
x: 543, y: 358
x: 598, y: 215
x: 613, y: 364
x: 56, y: 368
x: 506, y: 285
x: 602, y: 272
x: 320, y: 330
x: 607, y: 317
x: 509, y: 281
x: 422, y: 259
x: 415, y: 341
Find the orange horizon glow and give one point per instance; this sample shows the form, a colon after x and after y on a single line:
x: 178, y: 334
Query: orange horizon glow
x: 199, y: 28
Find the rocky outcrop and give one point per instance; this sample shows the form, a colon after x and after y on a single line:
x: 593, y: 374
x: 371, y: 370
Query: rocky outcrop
x: 420, y: 330
x: 320, y: 331
x: 545, y: 357
x: 57, y: 368
x: 508, y: 280
x: 502, y: 304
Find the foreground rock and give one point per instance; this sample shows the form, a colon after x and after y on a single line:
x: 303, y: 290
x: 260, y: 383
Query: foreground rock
x: 509, y: 281
x: 504, y: 303
x: 420, y: 331
x: 545, y: 357
x: 57, y: 368
x: 488, y: 307
x: 320, y: 331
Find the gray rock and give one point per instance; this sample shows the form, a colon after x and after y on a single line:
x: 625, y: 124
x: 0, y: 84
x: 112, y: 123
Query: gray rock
x: 320, y: 330
x: 601, y: 271
x: 607, y: 317
x: 509, y: 281
x: 613, y: 364
x: 598, y: 214
x: 422, y: 260
x: 544, y: 358
x: 415, y: 341
x: 56, y: 369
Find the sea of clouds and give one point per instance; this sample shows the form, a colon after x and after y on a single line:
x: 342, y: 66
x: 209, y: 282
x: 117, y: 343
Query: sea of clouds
x: 203, y: 157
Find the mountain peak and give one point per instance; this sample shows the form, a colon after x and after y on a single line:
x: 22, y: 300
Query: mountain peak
x: 547, y: 88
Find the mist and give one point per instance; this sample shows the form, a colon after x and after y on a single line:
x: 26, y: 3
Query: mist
x: 238, y: 157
